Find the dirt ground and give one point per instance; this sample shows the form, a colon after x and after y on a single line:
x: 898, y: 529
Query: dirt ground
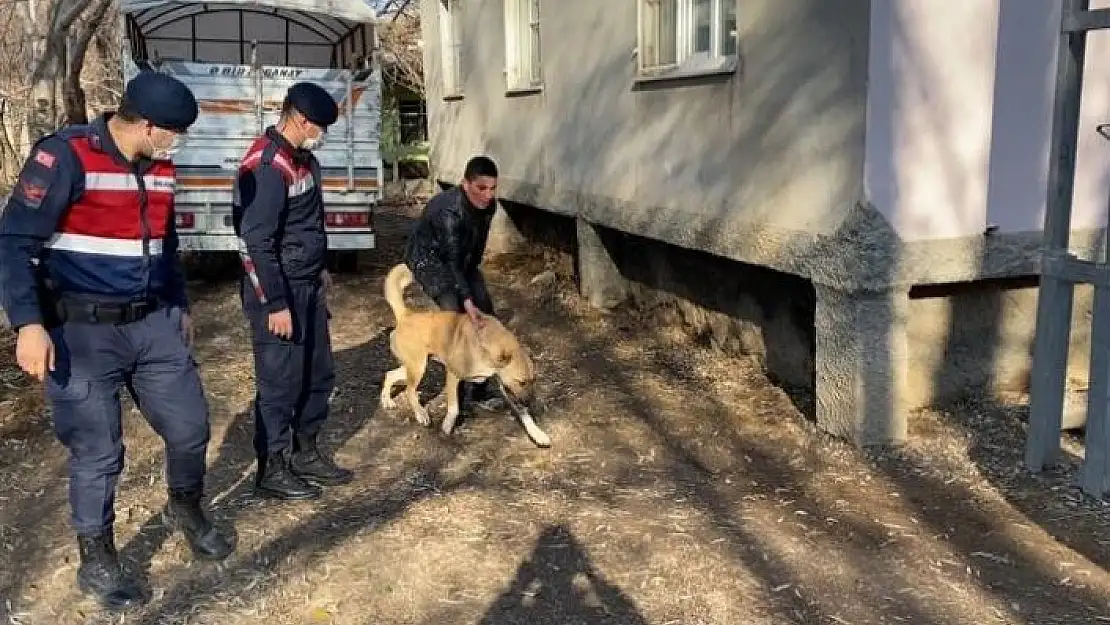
x: 681, y: 487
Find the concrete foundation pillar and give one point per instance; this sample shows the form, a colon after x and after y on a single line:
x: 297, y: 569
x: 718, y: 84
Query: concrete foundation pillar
x: 504, y: 236
x: 862, y: 365
x: 600, y: 279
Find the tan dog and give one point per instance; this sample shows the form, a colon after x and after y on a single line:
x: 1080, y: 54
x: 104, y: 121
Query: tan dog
x: 466, y: 351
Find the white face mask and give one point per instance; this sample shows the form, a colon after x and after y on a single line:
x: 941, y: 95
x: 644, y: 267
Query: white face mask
x: 314, y: 143
x: 167, y: 153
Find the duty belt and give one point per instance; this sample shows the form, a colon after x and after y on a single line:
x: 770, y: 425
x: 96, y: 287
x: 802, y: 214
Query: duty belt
x: 80, y: 311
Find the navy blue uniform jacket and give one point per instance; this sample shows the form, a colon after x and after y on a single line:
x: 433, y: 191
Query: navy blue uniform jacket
x: 278, y: 214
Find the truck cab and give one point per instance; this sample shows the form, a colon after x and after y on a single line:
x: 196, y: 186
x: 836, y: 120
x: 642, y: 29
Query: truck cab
x: 239, y: 58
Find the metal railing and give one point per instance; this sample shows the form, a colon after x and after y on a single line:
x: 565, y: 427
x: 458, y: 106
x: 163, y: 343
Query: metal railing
x: 1061, y: 271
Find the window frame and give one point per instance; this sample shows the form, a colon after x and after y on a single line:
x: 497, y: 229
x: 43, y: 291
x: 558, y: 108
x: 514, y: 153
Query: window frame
x: 412, y: 122
x: 523, y: 47
x: 717, y: 60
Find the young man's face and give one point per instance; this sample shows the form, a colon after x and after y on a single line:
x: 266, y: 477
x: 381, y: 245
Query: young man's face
x: 480, y: 191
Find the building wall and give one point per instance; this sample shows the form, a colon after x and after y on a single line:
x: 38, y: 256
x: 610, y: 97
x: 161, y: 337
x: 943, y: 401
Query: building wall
x: 930, y: 126
x: 960, y: 106
x: 753, y: 167
x: 960, y: 117
x: 862, y: 146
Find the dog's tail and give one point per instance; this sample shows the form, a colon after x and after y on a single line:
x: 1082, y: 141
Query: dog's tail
x: 395, y: 282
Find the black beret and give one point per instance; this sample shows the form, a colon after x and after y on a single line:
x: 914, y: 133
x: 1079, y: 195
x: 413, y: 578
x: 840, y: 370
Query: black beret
x: 314, y: 103
x: 162, y: 100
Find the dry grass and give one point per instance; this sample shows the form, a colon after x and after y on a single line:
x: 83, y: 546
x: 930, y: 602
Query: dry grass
x: 682, y: 488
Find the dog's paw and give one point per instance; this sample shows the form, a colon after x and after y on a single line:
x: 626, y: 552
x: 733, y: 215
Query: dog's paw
x: 422, y: 417
x: 388, y: 403
x: 449, y: 421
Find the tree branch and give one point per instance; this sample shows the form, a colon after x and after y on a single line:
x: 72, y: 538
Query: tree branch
x: 68, y: 12
x: 76, y: 107
x: 403, y: 57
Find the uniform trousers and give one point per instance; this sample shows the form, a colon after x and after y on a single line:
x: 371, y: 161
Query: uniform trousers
x: 150, y: 358
x: 294, y: 378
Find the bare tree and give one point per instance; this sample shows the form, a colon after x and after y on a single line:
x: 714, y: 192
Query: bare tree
x: 47, y: 24
x: 58, y: 61
x: 402, y: 51
x: 59, y: 32
x: 76, y: 104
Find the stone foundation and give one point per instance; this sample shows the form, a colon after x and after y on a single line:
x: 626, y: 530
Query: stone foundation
x: 977, y: 337
x: 871, y: 353
x: 741, y: 310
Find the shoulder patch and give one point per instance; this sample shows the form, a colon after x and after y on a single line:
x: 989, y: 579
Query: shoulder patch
x: 32, y: 190
x: 41, y: 170
x: 44, y: 158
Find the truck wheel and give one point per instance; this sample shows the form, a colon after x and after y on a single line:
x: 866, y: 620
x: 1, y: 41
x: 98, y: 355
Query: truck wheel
x: 344, y: 262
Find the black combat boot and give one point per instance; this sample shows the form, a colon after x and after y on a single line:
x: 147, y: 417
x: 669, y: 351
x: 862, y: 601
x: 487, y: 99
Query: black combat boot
x: 275, y: 479
x: 183, y: 513
x: 101, y: 575
x: 311, y: 465
x: 466, y: 399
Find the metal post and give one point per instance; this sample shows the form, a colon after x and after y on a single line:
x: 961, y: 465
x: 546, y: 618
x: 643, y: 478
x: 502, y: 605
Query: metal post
x: 1094, y: 475
x: 350, y: 115
x: 1054, y: 305
x: 256, y: 69
x: 374, y: 63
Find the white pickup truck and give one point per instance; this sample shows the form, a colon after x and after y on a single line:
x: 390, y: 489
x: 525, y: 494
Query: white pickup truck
x: 239, y: 58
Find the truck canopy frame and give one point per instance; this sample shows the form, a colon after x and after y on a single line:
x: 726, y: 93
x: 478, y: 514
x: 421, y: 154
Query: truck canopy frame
x: 320, y: 34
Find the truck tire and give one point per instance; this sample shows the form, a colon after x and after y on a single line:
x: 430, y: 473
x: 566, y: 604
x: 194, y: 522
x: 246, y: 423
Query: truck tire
x: 344, y: 262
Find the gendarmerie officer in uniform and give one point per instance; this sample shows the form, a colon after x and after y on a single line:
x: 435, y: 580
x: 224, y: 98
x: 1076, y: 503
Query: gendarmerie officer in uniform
x: 279, y: 217
x: 91, y: 281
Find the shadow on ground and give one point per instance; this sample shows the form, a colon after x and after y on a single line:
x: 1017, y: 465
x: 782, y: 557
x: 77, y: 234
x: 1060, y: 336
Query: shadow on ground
x: 681, y: 487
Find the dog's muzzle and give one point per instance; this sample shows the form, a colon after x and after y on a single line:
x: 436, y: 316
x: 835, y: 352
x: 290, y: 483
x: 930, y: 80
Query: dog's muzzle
x: 524, y: 399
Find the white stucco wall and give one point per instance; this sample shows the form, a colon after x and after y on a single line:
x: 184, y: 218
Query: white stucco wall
x: 732, y: 164
x: 959, y: 117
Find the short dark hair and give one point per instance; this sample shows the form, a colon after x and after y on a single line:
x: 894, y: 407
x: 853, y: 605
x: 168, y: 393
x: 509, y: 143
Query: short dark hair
x: 287, y: 108
x: 480, y: 166
x: 128, y: 112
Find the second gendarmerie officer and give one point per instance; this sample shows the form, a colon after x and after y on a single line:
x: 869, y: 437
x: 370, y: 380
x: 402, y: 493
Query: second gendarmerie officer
x: 90, y: 279
x: 279, y: 216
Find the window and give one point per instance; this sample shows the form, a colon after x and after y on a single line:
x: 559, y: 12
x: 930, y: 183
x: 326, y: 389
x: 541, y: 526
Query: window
x: 413, y: 121
x: 450, y: 35
x: 687, y: 35
x: 523, y: 68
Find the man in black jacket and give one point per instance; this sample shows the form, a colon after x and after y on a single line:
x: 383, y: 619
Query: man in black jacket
x: 279, y: 215
x: 445, y: 250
